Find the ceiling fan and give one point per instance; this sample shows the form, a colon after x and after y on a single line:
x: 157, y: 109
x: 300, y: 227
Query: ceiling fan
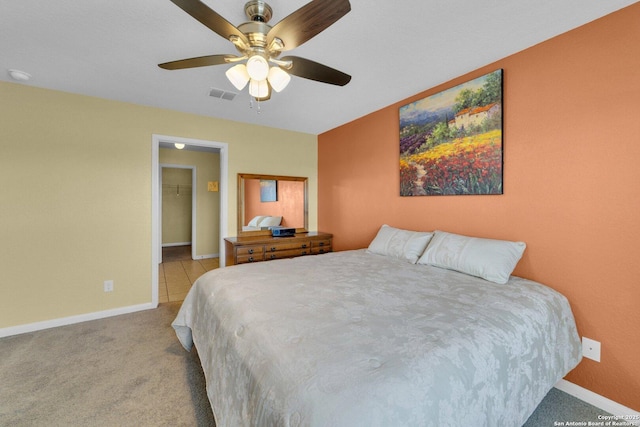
x: 261, y: 44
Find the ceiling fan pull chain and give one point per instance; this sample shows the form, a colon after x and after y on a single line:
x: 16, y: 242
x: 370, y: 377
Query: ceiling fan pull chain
x: 259, y: 110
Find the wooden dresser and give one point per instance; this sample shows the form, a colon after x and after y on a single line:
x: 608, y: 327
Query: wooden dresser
x: 240, y: 250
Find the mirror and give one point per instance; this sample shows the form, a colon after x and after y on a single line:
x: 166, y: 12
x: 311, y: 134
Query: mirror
x: 269, y: 200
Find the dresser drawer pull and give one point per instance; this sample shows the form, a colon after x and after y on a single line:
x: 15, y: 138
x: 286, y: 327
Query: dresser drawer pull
x: 250, y: 251
x: 321, y: 251
x: 304, y: 252
x: 273, y: 248
x: 251, y: 259
x: 321, y: 243
x: 304, y: 245
x: 273, y: 256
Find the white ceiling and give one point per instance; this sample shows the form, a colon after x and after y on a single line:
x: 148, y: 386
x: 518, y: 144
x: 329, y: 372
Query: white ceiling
x: 392, y: 50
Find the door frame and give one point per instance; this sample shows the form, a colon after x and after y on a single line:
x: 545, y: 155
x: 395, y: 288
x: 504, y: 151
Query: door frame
x: 156, y: 243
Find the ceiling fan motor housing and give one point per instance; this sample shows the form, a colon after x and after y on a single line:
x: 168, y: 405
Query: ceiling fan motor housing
x: 257, y: 10
x: 256, y: 33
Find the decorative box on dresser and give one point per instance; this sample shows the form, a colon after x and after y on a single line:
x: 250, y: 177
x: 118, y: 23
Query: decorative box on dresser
x: 244, y: 249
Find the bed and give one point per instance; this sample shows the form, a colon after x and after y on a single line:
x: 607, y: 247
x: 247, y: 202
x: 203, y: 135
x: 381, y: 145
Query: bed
x: 369, y: 338
x: 262, y: 222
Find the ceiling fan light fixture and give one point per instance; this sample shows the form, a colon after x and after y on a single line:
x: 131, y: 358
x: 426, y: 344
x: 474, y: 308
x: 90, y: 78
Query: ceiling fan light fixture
x: 238, y: 76
x: 258, y: 88
x: 278, y: 78
x: 257, y: 67
x: 20, y: 76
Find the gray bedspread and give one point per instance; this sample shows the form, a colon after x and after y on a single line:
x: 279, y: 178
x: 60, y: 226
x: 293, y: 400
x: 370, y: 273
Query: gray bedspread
x: 356, y: 339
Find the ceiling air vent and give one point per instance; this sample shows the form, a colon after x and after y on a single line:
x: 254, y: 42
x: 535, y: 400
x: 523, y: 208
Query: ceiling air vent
x: 223, y: 94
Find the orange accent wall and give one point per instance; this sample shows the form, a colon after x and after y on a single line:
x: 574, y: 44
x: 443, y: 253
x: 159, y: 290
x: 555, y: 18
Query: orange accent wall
x: 571, y: 185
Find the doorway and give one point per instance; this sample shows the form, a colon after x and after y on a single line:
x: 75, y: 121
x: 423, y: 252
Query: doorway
x: 178, y: 220
x: 156, y: 243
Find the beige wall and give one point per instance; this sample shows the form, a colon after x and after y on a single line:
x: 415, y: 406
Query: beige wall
x: 76, y: 195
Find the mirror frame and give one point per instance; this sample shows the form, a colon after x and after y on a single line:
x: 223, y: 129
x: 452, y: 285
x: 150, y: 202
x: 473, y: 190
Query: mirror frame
x: 241, y: 218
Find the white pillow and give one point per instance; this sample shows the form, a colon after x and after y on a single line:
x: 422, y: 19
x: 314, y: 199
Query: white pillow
x: 256, y: 220
x: 401, y: 244
x: 270, y: 221
x: 490, y: 259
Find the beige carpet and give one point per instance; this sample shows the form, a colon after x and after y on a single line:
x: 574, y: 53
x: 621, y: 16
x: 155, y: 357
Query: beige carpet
x: 127, y: 370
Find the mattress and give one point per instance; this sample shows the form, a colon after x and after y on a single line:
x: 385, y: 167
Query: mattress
x: 356, y: 339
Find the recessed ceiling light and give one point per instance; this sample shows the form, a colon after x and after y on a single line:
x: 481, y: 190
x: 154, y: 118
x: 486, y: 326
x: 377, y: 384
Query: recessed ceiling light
x: 20, y: 76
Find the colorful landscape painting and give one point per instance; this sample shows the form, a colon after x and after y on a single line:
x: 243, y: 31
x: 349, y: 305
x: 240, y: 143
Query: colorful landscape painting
x: 451, y: 142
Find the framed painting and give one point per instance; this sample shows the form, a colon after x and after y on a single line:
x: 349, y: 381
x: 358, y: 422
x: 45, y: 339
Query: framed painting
x: 268, y: 190
x: 451, y: 142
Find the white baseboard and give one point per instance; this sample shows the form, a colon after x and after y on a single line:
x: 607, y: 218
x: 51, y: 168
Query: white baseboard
x: 598, y: 401
x: 37, y: 326
x: 170, y: 245
x: 206, y: 256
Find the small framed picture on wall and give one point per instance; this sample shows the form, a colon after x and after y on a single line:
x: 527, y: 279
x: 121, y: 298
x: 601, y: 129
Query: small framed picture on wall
x: 268, y: 190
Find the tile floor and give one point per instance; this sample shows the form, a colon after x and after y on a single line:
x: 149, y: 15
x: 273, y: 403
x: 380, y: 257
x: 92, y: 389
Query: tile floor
x: 178, y: 271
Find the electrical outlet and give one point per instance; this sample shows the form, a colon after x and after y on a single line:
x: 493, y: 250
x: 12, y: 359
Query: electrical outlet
x: 591, y: 349
x: 108, y: 285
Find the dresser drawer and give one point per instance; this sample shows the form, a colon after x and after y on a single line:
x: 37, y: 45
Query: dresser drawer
x: 256, y: 250
x: 284, y: 245
x: 290, y: 253
x: 321, y: 243
x: 243, y: 259
x: 316, y: 250
x: 321, y: 246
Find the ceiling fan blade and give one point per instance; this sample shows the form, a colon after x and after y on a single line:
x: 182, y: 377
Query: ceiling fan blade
x: 210, y: 18
x: 308, y: 21
x: 200, y: 61
x: 312, y: 70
